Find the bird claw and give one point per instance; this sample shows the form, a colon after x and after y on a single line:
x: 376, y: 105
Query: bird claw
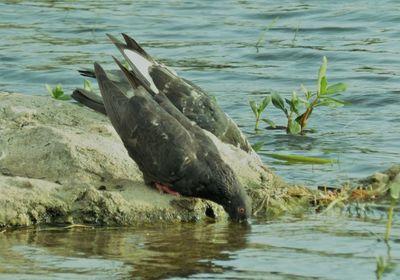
x: 165, y: 189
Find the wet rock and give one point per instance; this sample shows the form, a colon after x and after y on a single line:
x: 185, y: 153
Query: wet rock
x: 62, y: 163
x: 380, y: 181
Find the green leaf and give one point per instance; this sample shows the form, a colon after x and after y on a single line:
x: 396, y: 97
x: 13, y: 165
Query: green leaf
x: 253, y: 106
x: 278, y: 102
x: 64, y: 97
x: 270, y: 122
x: 58, y: 91
x: 294, y: 128
x: 264, y: 103
x: 125, y: 64
x: 395, y: 188
x: 340, y: 87
x: 304, y: 89
x: 299, y: 118
x: 87, y: 85
x: 49, y: 89
x: 323, y: 86
x: 257, y: 146
x: 300, y: 159
x: 309, y: 95
x: 322, y: 73
x: 330, y: 102
x: 295, y: 102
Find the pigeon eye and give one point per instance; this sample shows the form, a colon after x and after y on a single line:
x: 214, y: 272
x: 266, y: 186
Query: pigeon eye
x: 241, y: 210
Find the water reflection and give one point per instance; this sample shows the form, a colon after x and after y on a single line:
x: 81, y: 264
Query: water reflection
x: 144, y: 253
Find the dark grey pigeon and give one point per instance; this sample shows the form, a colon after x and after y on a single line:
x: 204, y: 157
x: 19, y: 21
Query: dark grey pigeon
x: 155, y: 77
x: 173, y: 152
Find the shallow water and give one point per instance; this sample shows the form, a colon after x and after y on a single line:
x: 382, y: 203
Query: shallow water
x: 318, y: 247
x: 213, y: 44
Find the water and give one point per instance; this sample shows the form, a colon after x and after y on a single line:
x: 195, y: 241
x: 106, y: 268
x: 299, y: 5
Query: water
x: 311, y: 248
x: 213, y: 44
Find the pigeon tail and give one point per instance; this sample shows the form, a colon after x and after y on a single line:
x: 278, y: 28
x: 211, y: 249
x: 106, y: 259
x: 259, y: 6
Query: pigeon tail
x: 89, y: 99
x: 138, y: 60
x: 114, y: 100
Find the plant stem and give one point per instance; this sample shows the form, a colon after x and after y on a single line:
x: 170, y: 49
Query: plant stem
x: 306, y: 115
x: 390, y: 219
x: 289, y: 122
x: 257, y: 122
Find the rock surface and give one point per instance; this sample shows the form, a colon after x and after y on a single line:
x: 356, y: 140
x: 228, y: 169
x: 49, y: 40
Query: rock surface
x: 63, y: 163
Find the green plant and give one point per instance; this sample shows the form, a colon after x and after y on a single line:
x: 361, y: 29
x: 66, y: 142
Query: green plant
x: 87, y: 85
x: 257, y: 146
x: 126, y: 64
x: 289, y: 107
x: 381, y: 265
x: 394, y: 189
x: 292, y: 159
x: 261, y: 38
x: 297, y: 121
x: 384, y: 264
x: 57, y: 92
x: 258, y: 109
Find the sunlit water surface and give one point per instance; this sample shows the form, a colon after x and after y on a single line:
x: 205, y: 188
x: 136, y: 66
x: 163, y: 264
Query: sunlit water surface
x: 309, y: 248
x: 213, y: 44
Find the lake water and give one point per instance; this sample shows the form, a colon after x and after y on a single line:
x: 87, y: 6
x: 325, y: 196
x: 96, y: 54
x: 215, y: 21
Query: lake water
x: 213, y: 44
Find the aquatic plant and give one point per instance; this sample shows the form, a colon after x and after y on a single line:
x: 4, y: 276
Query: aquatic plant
x: 261, y: 39
x: 384, y: 264
x: 57, y: 92
x: 381, y: 265
x: 292, y: 159
x: 394, y: 189
x: 87, y: 85
x: 296, y: 121
x: 257, y: 146
x: 258, y: 109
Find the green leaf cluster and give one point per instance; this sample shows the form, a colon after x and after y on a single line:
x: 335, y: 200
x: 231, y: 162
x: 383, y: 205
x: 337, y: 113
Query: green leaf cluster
x: 258, y: 109
x: 57, y: 92
x: 299, y: 109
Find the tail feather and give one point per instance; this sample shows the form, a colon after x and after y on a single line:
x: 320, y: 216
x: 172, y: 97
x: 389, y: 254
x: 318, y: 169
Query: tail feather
x: 89, y: 99
x: 132, y: 79
x: 114, y: 100
x: 131, y: 43
x: 87, y: 73
x: 138, y: 60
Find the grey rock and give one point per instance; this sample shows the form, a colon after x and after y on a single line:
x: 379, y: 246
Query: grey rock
x: 63, y: 163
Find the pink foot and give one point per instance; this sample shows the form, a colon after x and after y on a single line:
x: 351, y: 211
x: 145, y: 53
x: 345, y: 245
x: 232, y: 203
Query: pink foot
x: 165, y: 189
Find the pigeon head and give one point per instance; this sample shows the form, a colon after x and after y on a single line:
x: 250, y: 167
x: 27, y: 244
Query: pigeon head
x: 226, y: 190
x: 238, y: 205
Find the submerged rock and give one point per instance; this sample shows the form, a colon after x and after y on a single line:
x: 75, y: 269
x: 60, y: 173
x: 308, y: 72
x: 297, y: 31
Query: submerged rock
x: 62, y: 163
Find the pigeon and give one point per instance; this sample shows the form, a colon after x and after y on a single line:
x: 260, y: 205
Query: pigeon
x: 173, y: 152
x: 155, y: 77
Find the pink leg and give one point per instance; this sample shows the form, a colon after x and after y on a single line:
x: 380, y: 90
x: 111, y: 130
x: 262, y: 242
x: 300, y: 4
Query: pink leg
x: 165, y: 189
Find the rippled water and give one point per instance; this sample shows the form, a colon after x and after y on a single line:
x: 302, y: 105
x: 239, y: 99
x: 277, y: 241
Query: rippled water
x: 213, y: 44
x: 312, y: 248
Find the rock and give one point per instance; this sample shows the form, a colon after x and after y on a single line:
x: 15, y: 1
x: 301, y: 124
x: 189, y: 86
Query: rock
x: 380, y: 181
x: 62, y: 163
